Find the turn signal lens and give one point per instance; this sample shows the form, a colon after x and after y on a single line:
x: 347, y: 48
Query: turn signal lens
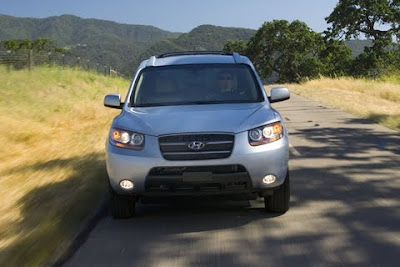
x: 277, y: 128
x: 116, y: 135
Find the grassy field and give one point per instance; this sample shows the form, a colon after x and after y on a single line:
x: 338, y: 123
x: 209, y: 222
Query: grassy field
x: 52, y: 169
x: 52, y: 134
x: 376, y: 100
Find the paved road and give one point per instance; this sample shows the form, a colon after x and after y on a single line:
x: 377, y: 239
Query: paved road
x: 345, y: 208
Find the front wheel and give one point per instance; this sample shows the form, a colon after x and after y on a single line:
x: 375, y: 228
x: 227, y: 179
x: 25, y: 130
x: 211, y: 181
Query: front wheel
x: 279, y: 201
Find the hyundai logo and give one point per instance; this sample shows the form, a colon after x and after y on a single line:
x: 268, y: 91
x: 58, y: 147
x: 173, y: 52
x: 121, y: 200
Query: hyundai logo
x: 196, y: 145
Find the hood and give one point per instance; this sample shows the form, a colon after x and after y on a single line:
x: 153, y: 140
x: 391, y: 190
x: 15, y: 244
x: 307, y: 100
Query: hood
x: 162, y: 120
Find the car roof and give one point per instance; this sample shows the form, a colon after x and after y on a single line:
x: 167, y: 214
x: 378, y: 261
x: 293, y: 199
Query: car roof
x: 195, y: 57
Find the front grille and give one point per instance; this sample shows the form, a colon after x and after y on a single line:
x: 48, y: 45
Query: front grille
x: 198, y: 179
x: 216, y: 146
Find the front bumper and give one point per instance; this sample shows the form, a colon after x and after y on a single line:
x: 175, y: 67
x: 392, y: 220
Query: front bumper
x: 258, y: 161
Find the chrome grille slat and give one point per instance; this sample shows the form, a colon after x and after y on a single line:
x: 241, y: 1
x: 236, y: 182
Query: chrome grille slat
x: 202, y: 152
x: 174, y: 144
x: 176, y: 147
x: 186, y: 143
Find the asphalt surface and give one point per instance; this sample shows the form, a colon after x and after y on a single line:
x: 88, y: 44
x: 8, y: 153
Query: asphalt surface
x: 345, y: 208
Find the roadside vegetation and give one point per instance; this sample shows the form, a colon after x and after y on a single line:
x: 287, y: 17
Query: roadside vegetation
x: 365, y: 83
x: 294, y: 53
x: 52, y: 169
x: 53, y: 123
x: 376, y: 100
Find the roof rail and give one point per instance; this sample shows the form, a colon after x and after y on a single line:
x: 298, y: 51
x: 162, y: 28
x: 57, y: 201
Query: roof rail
x: 151, y: 62
x: 186, y: 53
x: 237, y: 57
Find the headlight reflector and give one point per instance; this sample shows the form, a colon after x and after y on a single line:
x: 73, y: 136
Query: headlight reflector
x: 266, y: 134
x: 137, y: 139
x: 255, y: 135
x: 126, y: 139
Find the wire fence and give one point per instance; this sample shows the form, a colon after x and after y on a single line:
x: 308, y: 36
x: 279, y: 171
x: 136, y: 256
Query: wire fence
x: 28, y: 59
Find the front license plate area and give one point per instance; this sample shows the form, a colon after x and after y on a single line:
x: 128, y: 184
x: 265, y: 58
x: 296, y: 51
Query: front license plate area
x: 197, y: 176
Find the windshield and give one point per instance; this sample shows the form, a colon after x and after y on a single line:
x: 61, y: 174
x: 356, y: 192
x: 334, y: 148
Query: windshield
x: 196, y: 84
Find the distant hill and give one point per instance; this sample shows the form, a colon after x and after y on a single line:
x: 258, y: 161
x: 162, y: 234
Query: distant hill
x: 357, y: 46
x: 204, y: 37
x: 123, y: 46
x: 103, y: 41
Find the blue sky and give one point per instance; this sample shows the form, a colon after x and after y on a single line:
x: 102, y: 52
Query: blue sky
x: 179, y: 15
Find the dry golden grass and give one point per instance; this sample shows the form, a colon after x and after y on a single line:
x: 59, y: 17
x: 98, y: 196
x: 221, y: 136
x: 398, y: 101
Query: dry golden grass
x: 52, y: 169
x: 378, y: 101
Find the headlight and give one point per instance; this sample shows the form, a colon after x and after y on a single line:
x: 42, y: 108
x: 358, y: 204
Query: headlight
x: 126, y: 139
x: 266, y: 134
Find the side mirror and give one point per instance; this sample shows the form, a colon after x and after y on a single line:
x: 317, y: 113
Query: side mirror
x: 279, y: 94
x: 113, y: 101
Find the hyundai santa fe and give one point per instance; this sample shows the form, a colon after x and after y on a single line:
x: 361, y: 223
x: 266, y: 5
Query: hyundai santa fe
x: 197, y: 124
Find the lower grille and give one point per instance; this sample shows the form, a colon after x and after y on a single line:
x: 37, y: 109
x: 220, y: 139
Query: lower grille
x: 198, y: 179
x: 196, y: 146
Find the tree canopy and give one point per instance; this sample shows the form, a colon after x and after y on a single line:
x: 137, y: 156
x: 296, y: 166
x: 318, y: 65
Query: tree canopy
x: 293, y: 51
x: 378, y: 20
x: 40, y: 44
x: 239, y: 46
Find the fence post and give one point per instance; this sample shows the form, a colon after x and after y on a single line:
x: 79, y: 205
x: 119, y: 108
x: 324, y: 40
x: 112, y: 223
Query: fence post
x: 30, y: 59
x: 8, y: 60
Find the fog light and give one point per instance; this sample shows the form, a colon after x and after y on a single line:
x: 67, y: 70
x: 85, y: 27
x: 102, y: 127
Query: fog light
x: 126, y: 184
x: 269, y: 179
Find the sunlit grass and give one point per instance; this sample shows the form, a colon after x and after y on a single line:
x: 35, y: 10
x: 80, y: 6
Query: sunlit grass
x: 52, y: 170
x: 377, y: 100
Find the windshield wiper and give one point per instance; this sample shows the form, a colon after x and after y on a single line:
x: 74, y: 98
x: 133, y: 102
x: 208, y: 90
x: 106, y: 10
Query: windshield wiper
x: 177, y: 103
x: 193, y: 103
x: 151, y: 105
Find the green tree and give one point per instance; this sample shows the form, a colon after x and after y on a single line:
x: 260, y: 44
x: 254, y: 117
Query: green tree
x: 239, y: 46
x: 43, y: 44
x: 40, y: 44
x: 295, y: 52
x: 378, y: 20
x: 25, y: 44
x: 336, y: 56
x: 11, y: 45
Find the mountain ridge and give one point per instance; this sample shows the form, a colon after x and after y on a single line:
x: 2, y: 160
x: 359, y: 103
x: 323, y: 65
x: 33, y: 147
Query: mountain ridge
x: 105, y: 41
x: 122, y: 46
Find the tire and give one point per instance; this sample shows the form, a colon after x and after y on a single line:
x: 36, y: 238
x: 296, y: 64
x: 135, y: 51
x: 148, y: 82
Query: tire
x: 122, y: 207
x: 279, y: 201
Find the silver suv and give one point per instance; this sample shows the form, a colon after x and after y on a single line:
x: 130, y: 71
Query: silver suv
x: 197, y: 124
